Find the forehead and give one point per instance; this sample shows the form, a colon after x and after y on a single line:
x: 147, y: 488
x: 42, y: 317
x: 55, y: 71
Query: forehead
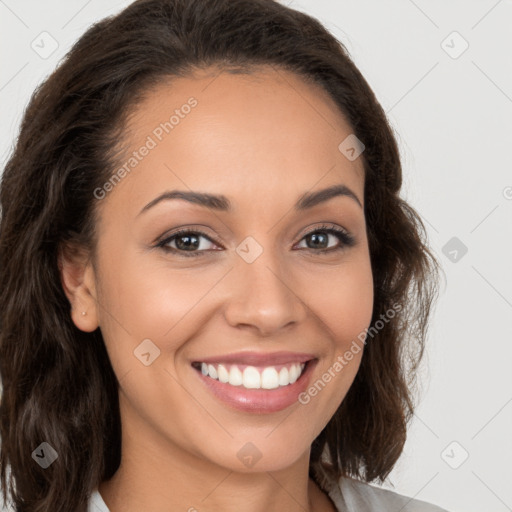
x: 233, y: 134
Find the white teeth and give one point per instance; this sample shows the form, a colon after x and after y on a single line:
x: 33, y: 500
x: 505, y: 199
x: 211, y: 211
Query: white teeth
x: 252, y: 377
x: 212, y: 372
x: 283, y: 377
x: 223, y: 373
x: 235, y: 376
x: 269, y: 378
x: 294, y: 373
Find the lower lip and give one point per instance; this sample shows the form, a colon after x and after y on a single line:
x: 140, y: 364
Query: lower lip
x: 259, y: 400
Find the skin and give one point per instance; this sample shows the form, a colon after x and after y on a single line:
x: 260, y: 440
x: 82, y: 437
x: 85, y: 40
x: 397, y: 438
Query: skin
x: 262, y: 140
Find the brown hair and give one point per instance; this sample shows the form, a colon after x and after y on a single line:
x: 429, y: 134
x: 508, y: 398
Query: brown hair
x: 58, y: 383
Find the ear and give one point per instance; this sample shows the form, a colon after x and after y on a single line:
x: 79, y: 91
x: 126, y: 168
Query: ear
x: 79, y: 283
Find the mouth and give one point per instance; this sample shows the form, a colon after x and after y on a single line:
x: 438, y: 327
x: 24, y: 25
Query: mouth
x: 253, y: 377
x: 256, y: 388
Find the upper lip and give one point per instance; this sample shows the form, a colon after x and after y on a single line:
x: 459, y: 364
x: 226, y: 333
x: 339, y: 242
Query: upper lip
x: 259, y: 359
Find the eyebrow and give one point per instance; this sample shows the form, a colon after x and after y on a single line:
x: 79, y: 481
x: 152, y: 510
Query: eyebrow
x: 222, y: 203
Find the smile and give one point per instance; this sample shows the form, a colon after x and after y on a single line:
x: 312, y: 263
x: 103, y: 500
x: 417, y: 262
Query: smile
x: 252, y: 377
x: 255, y: 388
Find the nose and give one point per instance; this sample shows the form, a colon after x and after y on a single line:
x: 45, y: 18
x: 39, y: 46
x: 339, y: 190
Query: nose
x: 262, y: 297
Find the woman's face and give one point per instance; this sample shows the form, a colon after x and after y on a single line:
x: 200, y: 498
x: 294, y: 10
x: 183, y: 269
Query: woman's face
x: 255, y: 280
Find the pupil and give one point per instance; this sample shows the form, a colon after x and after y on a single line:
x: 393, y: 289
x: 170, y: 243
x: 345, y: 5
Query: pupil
x: 315, y: 236
x: 187, y: 244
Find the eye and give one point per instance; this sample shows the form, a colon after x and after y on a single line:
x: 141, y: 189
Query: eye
x: 186, y: 241
x: 319, y: 239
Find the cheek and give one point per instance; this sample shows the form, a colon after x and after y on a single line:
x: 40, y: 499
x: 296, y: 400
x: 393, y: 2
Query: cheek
x: 350, y: 312
x: 149, y: 299
x: 344, y: 311
x: 344, y: 300
x: 143, y: 298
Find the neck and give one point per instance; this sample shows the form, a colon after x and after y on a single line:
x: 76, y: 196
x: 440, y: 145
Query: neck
x: 158, y: 474
x: 144, y: 482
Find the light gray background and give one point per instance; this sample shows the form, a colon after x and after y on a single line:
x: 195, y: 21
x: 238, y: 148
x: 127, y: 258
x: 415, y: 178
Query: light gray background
x: 452, y: 112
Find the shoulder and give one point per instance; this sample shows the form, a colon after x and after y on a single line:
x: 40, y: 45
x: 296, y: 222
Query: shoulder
x: 351, y: 495
x: 96, y: 503
x: 358, y: 496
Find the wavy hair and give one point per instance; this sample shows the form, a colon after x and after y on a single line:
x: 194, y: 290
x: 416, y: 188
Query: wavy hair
x: 58, y: 384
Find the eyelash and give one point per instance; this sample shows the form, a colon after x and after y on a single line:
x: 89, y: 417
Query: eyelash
x: 347, y: 240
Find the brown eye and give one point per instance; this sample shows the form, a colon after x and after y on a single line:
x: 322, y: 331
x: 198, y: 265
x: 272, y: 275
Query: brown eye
x: 318, y: 239
x: 186, y: 241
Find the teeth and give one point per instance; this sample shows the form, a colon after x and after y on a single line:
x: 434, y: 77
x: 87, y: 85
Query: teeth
x: 223, y: 373
x: 294, y: 374
x: 235, y: 376
x: 283, y: 377
x: 212, y: 372
x: 252, y: 377
x: 269, y: 378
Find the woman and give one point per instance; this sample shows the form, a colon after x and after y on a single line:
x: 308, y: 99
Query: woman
x: 208, y: 278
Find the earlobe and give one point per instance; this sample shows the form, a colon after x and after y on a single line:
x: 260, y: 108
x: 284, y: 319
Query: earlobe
x: 83, y: 320
x: 78, y: 282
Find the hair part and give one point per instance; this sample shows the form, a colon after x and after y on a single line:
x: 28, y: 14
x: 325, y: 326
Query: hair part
x: 58, y: 384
